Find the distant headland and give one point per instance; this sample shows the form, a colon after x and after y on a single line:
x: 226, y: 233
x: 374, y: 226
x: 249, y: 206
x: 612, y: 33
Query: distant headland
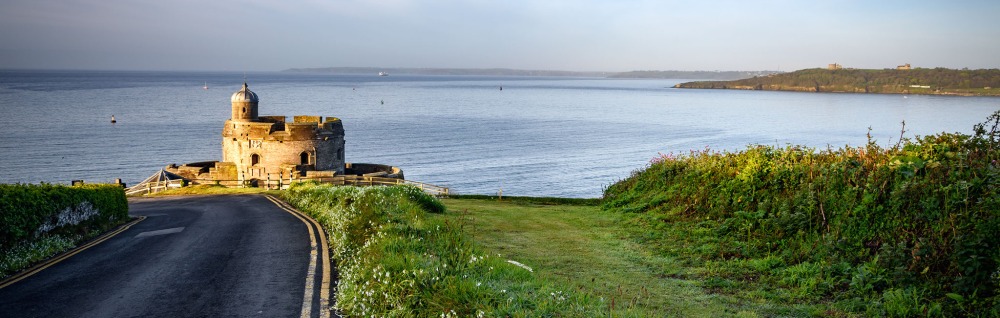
x: 708, y: 75
x: 900, y: 80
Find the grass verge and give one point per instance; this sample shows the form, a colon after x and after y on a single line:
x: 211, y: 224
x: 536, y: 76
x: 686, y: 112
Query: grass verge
x: 577, y: 245
x: 397, y: 256
x: 23, y: 255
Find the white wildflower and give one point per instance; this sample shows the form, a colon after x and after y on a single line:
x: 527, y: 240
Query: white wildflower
x: 69, y: 216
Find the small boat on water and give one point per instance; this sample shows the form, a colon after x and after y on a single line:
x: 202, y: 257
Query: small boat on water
x: 206, y: 85
x: 113, y: 119
x: 383, y: 73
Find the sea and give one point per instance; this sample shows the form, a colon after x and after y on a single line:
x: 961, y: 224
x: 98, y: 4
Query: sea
x: 519, y: 136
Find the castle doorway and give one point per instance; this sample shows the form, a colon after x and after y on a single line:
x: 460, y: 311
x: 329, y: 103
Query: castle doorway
x: 254, y: 159
x: 304, y: 158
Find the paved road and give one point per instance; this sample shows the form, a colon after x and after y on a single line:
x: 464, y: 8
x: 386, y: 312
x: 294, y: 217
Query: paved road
x: 214, y: 256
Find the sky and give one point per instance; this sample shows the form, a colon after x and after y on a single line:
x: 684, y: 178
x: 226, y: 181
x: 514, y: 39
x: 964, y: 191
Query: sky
x: 577, y: 35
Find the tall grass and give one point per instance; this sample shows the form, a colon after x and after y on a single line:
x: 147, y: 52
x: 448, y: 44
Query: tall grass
x: 394, y: 261
x: 908, y: 228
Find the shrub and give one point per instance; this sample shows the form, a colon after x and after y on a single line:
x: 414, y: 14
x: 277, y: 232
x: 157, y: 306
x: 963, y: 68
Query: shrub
x: 919, y: 218
x: 29, y: 211
x: 41, y: 220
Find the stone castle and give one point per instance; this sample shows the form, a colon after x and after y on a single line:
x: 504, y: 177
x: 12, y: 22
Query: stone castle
x: 258, y: 150
x: 259, y: 146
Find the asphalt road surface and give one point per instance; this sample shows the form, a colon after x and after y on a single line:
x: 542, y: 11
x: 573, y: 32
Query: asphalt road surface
x: 200, y: 256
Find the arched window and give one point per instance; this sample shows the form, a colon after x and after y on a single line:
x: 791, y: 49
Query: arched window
x: 254, y: 159
x: 304, y: 158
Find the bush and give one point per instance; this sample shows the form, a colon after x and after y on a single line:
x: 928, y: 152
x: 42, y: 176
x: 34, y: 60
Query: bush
x: 915, y: 220
x: 29, y: 211
x: 41, y: 220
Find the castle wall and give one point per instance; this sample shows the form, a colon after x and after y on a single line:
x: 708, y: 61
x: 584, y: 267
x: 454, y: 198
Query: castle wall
x: 271, y: 119
x: 269, y: 147
x: 279, y: 146
x: 306, y: 119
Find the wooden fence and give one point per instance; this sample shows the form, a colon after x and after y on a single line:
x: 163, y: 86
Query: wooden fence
x: 153, y: 187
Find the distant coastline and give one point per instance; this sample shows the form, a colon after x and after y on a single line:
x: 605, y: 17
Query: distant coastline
x: 920, y: 81
x: 445, y: 71
x: 707, y: 75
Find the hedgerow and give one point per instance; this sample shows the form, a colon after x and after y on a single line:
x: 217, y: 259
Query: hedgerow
x: 869, y: 229
x: 39, y: 220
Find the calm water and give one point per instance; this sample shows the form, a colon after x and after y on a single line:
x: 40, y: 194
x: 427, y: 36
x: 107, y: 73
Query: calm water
x: 536, y: 137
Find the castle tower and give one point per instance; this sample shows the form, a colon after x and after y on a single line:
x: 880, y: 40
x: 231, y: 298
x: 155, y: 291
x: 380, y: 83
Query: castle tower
x: 272, y: 148
x: 273, y: 152
x: 244, y: 104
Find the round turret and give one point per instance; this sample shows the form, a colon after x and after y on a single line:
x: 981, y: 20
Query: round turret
x: 244, y: 95
x: 244, y: 104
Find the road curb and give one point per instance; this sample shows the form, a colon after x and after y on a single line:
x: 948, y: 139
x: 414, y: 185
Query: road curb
x: 67, y: 254
x: 320, y: 247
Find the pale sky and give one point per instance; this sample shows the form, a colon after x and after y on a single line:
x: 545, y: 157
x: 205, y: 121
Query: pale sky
x: 578, y: 35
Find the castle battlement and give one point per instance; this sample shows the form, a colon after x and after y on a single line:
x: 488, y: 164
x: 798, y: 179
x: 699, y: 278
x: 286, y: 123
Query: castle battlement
x: 260, y: 146
x: 276, y: 128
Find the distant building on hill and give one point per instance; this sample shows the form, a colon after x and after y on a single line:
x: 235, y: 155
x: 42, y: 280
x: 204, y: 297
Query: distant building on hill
x: 834, y: 66
x: 903, y: 67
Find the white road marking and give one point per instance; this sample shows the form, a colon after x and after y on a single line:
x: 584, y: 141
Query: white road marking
x: 160, y: 232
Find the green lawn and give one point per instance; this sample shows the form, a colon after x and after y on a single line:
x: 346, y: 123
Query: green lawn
x: 587, y: 249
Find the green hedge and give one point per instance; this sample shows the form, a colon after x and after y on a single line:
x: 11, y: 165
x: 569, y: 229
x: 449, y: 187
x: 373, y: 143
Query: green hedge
x: 871, y: 228
x: 29, y: 211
